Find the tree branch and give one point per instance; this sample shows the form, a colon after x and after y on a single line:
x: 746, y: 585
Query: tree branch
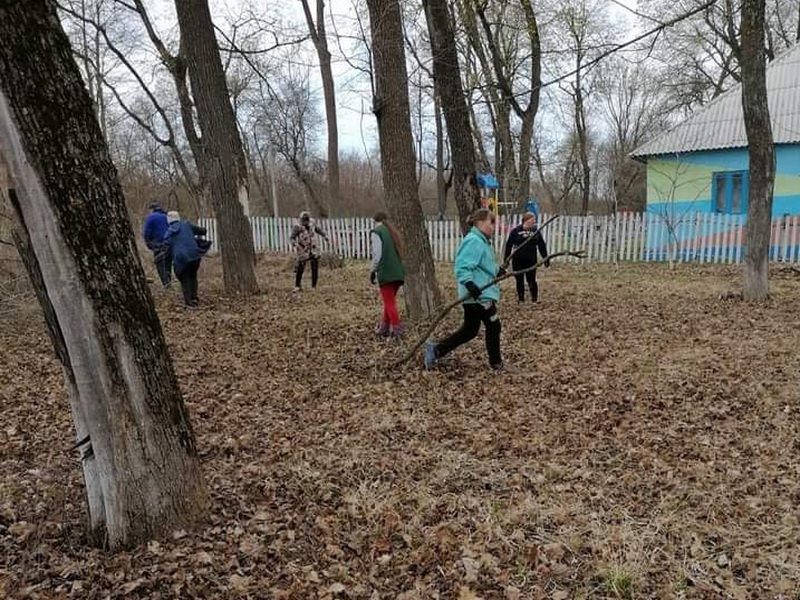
x: 410, y: 354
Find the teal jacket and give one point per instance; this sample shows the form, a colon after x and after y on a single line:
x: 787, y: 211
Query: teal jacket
x: 475, y: 262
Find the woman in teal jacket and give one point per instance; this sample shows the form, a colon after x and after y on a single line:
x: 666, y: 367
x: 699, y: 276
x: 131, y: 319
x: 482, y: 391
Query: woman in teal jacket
x: 475, y: 267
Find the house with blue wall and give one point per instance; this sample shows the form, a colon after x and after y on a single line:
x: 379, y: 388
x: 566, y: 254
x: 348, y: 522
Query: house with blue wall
x: 701, y: 165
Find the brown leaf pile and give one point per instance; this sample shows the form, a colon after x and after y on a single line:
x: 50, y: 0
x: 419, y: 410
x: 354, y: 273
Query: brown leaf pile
x: 646, y: 446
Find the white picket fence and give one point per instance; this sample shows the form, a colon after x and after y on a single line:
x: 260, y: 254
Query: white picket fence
x: 625, y: 237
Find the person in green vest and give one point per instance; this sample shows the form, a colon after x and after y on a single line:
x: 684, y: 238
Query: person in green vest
x: 475, y: 269
x: 388, y: 273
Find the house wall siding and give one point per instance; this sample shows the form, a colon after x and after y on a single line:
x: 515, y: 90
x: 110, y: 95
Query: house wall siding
x: 681, y: 183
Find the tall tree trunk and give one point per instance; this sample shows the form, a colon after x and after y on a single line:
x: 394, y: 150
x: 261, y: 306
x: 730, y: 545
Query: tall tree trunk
x: 510, y: 177
x: 497, y: 96
x: 583, y: 151
x: 482, y: 159
x: 139, y: 455
x: 528, y: 115
x: 447, y: 76
x: 441, y: 183
x: 320, y: 39
x: 222, y: 145
x: 391, y: 107
x: 762, y: 158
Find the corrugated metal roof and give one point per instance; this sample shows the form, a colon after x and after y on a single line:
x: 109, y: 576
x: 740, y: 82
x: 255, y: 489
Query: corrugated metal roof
x: 721, y: 124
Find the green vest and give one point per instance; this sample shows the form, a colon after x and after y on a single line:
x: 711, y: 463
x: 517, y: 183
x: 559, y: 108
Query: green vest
x: 390, y: 267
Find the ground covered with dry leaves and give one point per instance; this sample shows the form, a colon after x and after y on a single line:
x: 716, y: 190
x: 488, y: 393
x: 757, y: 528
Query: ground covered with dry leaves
x: 646, y: 446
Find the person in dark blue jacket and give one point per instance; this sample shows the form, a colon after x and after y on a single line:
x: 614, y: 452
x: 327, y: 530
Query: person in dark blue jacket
x: 186, y: 254
x: 155, y: 226
x: 526, y: 257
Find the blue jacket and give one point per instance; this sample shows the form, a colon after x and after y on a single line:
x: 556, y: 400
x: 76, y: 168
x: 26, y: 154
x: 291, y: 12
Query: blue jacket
x: 475, y: 262
x: 155, y: 226
x: 180, y: 238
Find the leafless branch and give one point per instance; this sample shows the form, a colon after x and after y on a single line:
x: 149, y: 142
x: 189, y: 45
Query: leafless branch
x: 424, y: 337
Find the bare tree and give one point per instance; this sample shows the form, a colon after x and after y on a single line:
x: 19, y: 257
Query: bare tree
x: 90, y: 51
x: 634, y: 109
x: 497, y: 99
x: 419, y: 46
x: 137, y: 447
x: 762, y: 158
x: 450, y: 95
x: 289, y: 120
x: 221, y: 145
x: 519, y: 188
x: 700, y: 55
x: 581, y: 24
x: 319, y: 37
x: 149, y: 108
x: 391, y: 108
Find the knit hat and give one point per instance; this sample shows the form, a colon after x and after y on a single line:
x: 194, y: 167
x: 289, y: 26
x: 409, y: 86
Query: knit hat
x: 173, y: 216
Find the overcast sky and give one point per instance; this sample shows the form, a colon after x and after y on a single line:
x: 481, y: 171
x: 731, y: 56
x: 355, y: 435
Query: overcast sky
x: 356, y: 122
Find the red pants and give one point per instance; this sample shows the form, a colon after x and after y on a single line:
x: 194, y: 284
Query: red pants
x: 389, y: 297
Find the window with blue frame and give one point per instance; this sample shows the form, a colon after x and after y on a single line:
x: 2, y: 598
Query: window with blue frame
x: 729, y: 192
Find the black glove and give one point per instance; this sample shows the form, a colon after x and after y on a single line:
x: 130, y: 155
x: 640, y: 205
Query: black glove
x: 473, y: 290
x: 373, y: 277
x: 547, y: 264
x: 501, y: 271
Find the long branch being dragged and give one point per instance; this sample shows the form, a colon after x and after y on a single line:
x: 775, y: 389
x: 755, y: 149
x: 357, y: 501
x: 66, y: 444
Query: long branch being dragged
x: 410, y: 354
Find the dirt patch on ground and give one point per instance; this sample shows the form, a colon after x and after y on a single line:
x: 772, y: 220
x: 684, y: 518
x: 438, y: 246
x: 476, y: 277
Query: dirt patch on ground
x: 646, y: 446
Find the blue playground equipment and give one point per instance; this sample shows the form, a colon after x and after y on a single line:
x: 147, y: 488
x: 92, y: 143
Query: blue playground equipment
x: 532, y: 206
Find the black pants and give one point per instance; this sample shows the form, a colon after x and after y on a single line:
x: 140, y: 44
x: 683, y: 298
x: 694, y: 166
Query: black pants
x: 188, y: 279
x: 301, y: 267
x: 474, y: 314
x: 162, y: 258
x: 530, y: 277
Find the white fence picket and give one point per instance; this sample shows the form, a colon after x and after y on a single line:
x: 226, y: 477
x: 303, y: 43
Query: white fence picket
x: 627, y: 237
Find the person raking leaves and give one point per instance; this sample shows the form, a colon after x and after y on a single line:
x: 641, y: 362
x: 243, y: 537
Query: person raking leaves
x: 475, y: 267
x: 525, y: 256
x: 304, y: 237
x: 388, y: 273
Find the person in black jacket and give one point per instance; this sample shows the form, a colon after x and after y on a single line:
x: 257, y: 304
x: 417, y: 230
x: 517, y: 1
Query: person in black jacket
x: 526, y: 255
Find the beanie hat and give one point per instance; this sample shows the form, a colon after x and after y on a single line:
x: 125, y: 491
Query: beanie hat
x: 154, y: 205
x: 173, y: 216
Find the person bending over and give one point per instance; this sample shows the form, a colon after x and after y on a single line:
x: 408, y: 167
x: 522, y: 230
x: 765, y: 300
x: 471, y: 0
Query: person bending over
x: 186, y: 254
